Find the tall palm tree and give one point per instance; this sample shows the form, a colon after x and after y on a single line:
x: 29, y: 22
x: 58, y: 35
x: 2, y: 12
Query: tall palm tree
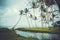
x: 26, y: 11
x: 34, y: 5
x: 31, y: 16
x: 21, y: 13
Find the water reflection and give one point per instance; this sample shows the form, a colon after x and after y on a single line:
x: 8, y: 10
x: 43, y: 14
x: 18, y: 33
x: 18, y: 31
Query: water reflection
x: 40, y: 36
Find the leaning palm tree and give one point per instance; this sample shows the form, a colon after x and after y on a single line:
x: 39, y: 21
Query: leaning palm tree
x: 21, y: 13
x: 35, y: 18
x: 31, y: 16
x: 26, y: 11
x: 34, y: 6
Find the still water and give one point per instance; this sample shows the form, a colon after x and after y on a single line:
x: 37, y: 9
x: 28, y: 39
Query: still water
x: 40, y: 36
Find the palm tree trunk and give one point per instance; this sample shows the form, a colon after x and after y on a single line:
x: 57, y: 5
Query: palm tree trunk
x: 17, y: 22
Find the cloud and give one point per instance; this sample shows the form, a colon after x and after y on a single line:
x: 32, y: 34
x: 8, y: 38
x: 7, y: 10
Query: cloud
x: 10, y: 14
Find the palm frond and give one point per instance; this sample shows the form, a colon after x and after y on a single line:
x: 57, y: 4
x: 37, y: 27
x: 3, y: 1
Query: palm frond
x: 35, y: 18
x: 31, y: 15
x: 26, y: 10
x: 21, y: 12
x: 34, y: 5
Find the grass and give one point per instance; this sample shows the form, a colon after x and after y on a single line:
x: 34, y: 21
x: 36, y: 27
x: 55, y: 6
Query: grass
x: 25, y: 38
x: 46, y: 29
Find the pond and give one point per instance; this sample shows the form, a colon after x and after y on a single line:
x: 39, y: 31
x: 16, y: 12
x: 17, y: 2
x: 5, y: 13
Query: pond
x: 39, y: 36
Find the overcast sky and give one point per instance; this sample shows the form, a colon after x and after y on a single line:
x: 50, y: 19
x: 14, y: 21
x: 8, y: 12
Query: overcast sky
x: 9, y: 13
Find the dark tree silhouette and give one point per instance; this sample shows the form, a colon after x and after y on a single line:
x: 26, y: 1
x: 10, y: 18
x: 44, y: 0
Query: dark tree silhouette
x: 58, y: 3
x: 31, y: 16
x: 35, y: 18
x: 26, y: 10
x: 49, y: 2
x: 34, y: 5
x: 21, y: 12
x: 56, y: 24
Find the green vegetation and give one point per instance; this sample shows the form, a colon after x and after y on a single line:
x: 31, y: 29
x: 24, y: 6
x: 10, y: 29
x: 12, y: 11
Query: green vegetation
x: 46, y: 29
x: 26, y: 38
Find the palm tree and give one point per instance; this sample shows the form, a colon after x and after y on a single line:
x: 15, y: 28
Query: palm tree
x: 35, y: 18
x: 21, y: 13
x: 31, y: 16
x: 26, y: 10
x: 34, y: 5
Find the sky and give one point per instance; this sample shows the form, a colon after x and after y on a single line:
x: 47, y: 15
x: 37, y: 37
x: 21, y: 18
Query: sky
x: 9, y: 13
